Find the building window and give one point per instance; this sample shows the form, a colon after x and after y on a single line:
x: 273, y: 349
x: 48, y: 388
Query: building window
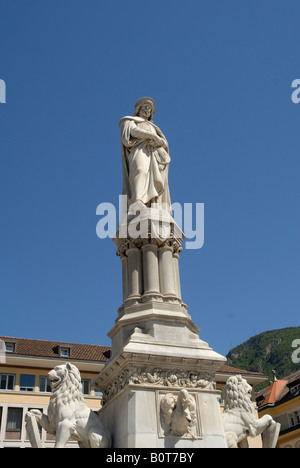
x: 10, y: 347
x: 295, y: 389
x: 14, y: 423
x: 65, y: 352
x: 7, y: 381
x: 86, y: 386
x: 27, y: 383
x: 294, y: 418
x: 44, y: 385
x: 291, y: 420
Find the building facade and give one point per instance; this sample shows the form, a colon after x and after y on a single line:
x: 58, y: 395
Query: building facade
x: 282, y: 401
x: 24, y: 365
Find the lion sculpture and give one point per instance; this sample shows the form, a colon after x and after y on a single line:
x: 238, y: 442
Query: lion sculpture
x: 178, y: 414
x: 68, y: 415
x: 239, y: 417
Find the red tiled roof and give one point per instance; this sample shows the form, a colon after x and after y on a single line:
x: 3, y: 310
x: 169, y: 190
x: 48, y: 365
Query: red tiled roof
x: 50, y: 349
x: 273, y: 391
x: 277, y: 390
x: 233, y: 370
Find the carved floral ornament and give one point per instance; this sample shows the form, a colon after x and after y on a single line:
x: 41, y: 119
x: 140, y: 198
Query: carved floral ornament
x: 156, y: 377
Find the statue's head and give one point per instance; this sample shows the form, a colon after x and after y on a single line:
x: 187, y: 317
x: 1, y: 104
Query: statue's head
x: 64, y: 376
x: 145, y: 108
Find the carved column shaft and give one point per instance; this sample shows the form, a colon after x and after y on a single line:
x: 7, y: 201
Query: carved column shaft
x: 176, y: 272
x: 150, y: 268
x: 124, y: 261
x: 166, y: 271
x: 134, y: 273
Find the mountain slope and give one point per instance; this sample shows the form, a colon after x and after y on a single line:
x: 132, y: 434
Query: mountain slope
x: 267, y: 351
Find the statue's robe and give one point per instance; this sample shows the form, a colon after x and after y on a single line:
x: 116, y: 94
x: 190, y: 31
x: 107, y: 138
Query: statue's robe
x: 145, y: 168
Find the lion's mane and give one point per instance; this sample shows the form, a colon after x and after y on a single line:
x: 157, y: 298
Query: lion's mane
x: 236, y: 395
x: 69, y: 390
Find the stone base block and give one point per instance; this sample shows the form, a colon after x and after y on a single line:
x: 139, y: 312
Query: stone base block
x: 159, y: 388
x: 135, y: 420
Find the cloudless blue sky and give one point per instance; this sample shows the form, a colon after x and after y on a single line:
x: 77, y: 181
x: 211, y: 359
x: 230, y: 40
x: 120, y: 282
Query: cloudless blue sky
x: 220, y: 72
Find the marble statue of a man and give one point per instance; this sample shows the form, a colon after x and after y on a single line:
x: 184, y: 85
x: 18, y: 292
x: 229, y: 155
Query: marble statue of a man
x: 145, y: 158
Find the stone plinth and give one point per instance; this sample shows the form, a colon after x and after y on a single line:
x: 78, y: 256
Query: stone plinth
x: 149, y: 367
x: 158, y: 386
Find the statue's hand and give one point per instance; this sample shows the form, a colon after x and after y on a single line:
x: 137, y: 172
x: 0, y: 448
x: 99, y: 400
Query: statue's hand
x: 157, y: 141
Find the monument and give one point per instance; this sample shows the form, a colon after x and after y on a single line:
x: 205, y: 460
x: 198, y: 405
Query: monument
x: 158, y: 385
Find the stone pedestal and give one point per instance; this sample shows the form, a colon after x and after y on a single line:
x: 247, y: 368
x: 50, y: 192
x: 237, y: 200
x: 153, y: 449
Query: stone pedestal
x: 158, y: 386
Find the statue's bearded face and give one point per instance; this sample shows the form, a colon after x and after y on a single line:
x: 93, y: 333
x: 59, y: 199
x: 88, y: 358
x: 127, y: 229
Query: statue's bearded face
x: 145, y: 110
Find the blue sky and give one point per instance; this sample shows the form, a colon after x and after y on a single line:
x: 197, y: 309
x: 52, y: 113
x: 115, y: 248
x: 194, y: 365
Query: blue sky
x: 220, y: 73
